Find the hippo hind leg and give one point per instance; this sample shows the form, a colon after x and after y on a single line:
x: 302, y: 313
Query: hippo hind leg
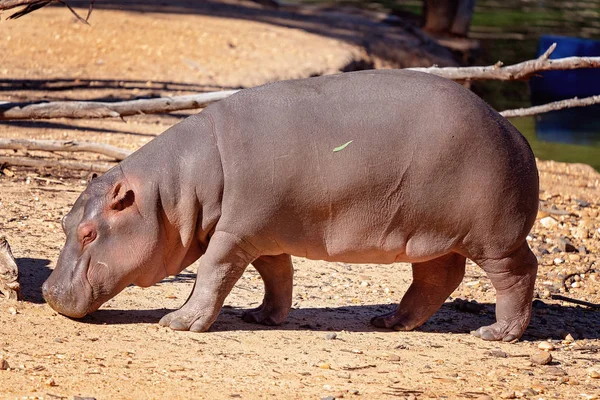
x: 433, y: 282
x: 513, y: 278
x: 277, y: 274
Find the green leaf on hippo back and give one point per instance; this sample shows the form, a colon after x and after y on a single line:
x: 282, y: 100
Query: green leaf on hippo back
x: 342, y: 147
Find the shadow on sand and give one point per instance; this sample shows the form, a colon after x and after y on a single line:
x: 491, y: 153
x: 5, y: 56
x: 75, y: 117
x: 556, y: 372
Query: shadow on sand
x: 548, y: 321
x: 405, y: 45
x: 32, y: 274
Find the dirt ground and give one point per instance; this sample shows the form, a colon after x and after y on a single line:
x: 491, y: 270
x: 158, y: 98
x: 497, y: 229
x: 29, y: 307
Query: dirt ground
x: 327, y: 348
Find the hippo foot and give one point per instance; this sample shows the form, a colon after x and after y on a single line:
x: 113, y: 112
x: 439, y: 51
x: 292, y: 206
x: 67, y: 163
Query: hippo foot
x: 392, y: 321
x: 500, y: 331
x: 183, y: 320
x: 264, y: 315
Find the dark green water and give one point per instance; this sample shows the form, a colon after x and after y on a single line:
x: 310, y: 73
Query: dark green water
x: 545, y: 150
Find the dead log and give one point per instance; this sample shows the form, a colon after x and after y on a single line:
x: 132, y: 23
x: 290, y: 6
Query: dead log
x: 8, y: 4
x: 48, y: 163
x: 65, y: 145
x: 85, y: 109
x: 9, y: 273
x: 32, y: 5
x: 94, y: 109
x: 555, y: 105
x: 520, y: 71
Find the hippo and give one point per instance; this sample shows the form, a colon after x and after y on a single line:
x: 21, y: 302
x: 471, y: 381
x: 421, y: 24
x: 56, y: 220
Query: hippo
x: 376, y: 167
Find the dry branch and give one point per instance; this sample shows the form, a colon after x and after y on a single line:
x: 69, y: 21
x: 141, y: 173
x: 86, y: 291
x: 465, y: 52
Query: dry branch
x: 522, y: 70
x: 32, y: 5
x: 8, y: 4
x: 93, y: 109
x: 43, y: 163
x: 9, y: 273
x: 65, y: 145
x: 83, y: 109
x: 555, y: 105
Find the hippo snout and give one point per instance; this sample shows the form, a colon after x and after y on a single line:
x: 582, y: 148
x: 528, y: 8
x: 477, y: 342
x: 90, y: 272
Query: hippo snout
x: 69, y: 302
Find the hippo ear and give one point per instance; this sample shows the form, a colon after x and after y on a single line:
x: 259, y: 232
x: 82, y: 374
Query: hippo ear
x: 91, y: 177
x: 122, y: 197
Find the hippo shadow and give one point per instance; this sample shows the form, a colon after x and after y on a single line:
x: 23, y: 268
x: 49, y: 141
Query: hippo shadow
x: 548, y: 321
x: 32, y: 274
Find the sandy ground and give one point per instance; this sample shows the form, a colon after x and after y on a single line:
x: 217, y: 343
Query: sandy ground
x: 327, y: 348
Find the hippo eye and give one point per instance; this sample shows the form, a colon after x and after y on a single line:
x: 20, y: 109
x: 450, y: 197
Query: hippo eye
x: 88, y: 238
x: 87, y: 234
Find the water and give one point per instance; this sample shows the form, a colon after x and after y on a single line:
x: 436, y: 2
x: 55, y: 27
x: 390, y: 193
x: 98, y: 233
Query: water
x: 566, y: 145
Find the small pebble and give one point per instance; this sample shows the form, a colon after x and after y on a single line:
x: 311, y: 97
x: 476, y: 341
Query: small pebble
x: 390, y: 357
x: 547, y: 346
x: 555, y: 371
x: 541, y: 358
x: 353, y: 391
x: 4, y: 364
x: 594, y: 374
x: 331, y: 336
x: 548, y: 222
x: 328, y: 398
x: 508, y: 395
x: 8, y: 172
x: 566, y: 246
x: 12, y: 310
x: 50, y: 382
x: 324, y: 366
x: 569, y: 338
x: 558, y: 261
x: 498, y: 353
x: 529, y: 392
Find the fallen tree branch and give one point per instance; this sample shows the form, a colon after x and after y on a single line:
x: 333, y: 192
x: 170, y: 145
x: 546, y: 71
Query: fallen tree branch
x: 555, y: 105
x: 8, y: 4
x: 575, y: 301
x: 520, y: 71
x: 65, y: 145
x: 32, y: 5
x: 94, y: 109
x: 44, y: 163
x: 85, y: 109
x: 9, y: 273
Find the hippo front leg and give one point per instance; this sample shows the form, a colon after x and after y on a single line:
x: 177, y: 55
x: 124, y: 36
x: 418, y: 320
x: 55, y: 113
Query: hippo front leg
x: 277, y: 274
x: 220, y: 268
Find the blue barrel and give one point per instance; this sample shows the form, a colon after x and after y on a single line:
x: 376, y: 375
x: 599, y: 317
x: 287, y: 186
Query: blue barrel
x: 560, y: 85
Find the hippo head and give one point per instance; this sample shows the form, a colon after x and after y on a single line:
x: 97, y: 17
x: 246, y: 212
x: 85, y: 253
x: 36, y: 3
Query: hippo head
x: 112, y: 242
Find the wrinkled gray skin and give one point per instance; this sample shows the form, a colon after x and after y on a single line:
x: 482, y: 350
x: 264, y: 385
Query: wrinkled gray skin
x: 433, y: 176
